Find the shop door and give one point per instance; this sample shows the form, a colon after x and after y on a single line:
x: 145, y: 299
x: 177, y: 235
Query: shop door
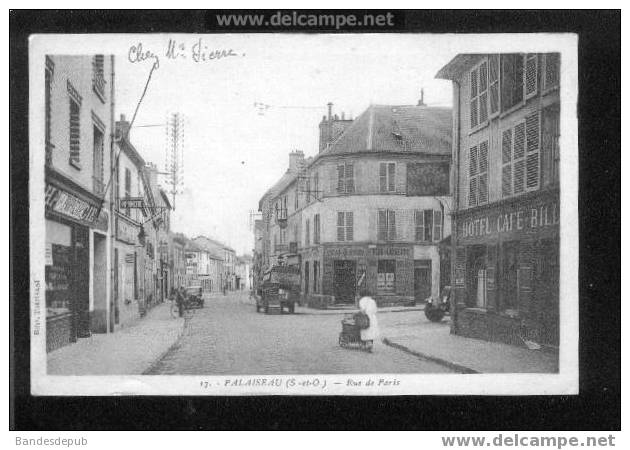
x: 509, y: 291
x: 344, y: 281
x: 306, y: 278
x: 422, y: 280
x: 81, y: 285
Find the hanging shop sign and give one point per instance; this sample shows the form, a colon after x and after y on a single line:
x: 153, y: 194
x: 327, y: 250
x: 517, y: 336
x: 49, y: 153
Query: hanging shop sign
x: 70, y: 205
x: 132, y: 202
x: 125, y: 231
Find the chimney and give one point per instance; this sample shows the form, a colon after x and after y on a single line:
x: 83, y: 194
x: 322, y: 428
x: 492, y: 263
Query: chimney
x: 296, y: 161
x: 421, y: 101
x: 122, y: 127
x: 151, y: 171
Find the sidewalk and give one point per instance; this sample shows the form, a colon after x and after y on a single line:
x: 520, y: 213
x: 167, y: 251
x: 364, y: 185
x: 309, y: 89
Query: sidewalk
x: 128, y: 351
x: 432, y: 341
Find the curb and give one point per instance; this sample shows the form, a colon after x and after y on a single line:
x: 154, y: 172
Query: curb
x: 348, y: 311
x: 451, y: 365
x: 157, y: 361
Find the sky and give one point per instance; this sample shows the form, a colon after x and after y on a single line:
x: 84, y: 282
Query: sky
x: 232, y: 154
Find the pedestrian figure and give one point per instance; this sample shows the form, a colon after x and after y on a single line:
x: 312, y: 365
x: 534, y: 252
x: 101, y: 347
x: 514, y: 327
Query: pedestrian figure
x: 367, y: 306
x: 180, y: 300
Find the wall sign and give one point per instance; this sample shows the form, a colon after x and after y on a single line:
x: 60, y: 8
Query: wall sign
x: 70, y: 205
x: 132, y: 202
x: 510, y: 220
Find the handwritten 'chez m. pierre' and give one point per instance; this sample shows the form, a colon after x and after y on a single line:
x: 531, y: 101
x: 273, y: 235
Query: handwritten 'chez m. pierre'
x: 199, y: 52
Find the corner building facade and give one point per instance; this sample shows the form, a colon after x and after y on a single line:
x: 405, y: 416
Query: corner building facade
x: 506, y: 154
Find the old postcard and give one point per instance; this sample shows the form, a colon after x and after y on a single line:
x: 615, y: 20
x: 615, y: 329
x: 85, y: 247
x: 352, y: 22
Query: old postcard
x: 303, y: 214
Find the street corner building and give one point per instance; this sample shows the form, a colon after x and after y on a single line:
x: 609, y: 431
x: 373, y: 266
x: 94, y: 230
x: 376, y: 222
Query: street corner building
x: 78, y: 136
x: 107, y: 219
x: 505, y: 244
x: 370, y: 211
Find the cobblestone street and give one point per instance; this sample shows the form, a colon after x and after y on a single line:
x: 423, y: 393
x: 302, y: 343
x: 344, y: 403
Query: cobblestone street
x: 227, y: 336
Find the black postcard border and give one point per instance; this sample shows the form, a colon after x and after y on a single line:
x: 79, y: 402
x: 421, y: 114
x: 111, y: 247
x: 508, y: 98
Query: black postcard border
x: 597, y: 407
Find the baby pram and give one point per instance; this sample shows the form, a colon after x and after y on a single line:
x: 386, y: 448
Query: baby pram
x: 350, y: 336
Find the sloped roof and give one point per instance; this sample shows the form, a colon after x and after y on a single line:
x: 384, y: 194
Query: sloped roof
x: 280, y: 185
x: 212, y: 246
x: 386, y: 128
x: 454, y: 68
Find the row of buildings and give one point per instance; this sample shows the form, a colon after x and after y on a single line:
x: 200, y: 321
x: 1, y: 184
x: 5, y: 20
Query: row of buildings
x: 405, y: 200
x: 110, y: 251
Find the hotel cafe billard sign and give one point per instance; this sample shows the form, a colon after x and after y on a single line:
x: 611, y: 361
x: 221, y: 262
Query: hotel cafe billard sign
x: 516, y: 219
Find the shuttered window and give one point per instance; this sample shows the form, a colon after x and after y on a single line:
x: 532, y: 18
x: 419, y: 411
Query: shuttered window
x: 478, y: 174
x: 75, y: 132
x: 493, y: 80
x: 345, y: 178
x: 316, y: 229
x: 308, y: 190
x: 419, y: 225
x: 437, y: 225
x: 98, y: 160
x: 345, y: 226
x: 521, y: 157
x: 386, y: 227
x: 552, y: 70
x: 479, y: 95
x: 387, y: 177
x: 307, y: 239
x: 512, y: 80
x: 531, y: 75
x: 98, y: 75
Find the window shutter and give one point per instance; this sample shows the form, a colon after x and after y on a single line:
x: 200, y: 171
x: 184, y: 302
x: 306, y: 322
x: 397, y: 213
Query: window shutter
x: 483, y: 92
x: 483, y: 173
x: 391, y: 225
x: 382, y: 225
x: 391, y: 177
x: 506, y: 176
x: 340, y: 178
x: 349, y: 226
x: 519, y: 176
x: 531, y: 74
x: 437, y: 225
x: 472, y: 172
x: 506, y: 147
x: 340, y: 226
x: 493, y: 76
x: 473, y: 84
x: 383, y: 176
x: 349, y: 177
x: 533, y: 154
x: 519, y: 140
x: 419, y: 225
x: 75, y: 132
x: 474, y: 113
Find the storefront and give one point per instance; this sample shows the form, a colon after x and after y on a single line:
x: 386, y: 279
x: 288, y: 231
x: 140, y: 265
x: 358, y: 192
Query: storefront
x: 76, y: 262
x: 386, y: 271
x: 506, y: 270
x: 126, y: 262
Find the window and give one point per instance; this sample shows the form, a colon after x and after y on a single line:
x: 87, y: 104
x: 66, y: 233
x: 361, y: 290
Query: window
x: 386, y: 276
x: 428, y: 225
x: 479, y: 95
x: 520, y: 157
x: 308, y: 190
x: 345, y: 178
x: 345, y: 226
x: 296, y: 203
x: 387, y: 175
x: 316, y: 229
x: 315, y: 277
x: 98, y: 75
x: 316, y: 185
x: 512, y: 80
x: 308, y: 232
x: 75, y: 133
x: 98, y: 158
x: 552, y: 70
x: 386, y: 225
x: 478, y: 174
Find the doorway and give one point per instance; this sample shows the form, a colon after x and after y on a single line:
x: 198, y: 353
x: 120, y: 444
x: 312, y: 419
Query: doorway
x: 99, y: 285
x: 422, y: 279
x: 344, y: 283
x: 476, y: 277
x: 81, y: 275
